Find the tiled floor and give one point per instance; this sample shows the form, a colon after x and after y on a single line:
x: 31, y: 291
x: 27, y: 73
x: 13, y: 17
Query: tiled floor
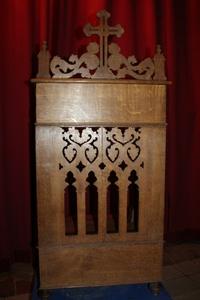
x: 181, y: 275
x: 17, y: 283
x: 181, y: 272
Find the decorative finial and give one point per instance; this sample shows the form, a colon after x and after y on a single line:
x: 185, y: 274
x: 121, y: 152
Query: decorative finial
x: 43, y: 61
x: 159, y: 63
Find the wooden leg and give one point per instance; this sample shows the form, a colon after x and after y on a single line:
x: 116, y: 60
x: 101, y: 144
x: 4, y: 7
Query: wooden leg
x: 154, y: 288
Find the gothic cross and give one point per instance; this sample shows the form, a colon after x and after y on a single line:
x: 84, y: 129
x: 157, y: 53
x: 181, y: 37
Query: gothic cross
x: 103, y: 30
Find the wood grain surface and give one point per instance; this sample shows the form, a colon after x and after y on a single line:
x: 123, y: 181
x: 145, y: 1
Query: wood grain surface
x: 86, y: 123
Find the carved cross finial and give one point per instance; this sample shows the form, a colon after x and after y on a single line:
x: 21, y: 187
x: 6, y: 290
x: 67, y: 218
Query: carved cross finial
x: 43, y: 61
x: 103, y: 30
x: 103, y: 60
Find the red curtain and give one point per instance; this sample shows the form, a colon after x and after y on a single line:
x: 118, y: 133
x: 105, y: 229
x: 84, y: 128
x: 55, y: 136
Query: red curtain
x: 24, y: 25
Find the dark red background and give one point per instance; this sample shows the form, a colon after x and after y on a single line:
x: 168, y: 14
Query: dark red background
x: 24, y: 25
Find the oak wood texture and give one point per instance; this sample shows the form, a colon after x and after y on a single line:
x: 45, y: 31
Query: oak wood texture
x: 103, y: 258
x: 51, y: 185
x: 143, y: 103
x: 105, y: 264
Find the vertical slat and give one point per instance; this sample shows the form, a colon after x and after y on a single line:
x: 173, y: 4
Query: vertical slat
x: 102, y: 191
x: 81, y: 210
x: 122, y: 209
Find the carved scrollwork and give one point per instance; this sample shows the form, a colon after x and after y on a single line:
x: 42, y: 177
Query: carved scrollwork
x: 125, y: 141
x: 69, y: 151
x: 102, y: 60
x: 120, y: 145
x: 88, y: 62
x: 112, y: 152
x: 77, y: 139
x: 123, y: 66
x: 118, y: 65
x: 91, y: 152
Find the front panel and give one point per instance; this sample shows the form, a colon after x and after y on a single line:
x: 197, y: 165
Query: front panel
x: 100, y: 102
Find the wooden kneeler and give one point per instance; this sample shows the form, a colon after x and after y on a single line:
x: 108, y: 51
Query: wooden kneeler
x: 100, y: 161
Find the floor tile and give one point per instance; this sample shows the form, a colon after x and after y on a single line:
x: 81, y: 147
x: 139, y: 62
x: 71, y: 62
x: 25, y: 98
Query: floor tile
x: 180, y: 286
x: 189, y: 267
x: 191, y: 296
x: 167, y: 260
x: 179, y: 252
x: 171, y: 272
x: 195, y: 278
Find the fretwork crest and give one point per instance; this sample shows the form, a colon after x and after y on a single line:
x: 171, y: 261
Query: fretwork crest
x: 103, y: 60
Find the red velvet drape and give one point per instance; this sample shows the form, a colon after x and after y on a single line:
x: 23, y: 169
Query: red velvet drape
x: 25, y: 24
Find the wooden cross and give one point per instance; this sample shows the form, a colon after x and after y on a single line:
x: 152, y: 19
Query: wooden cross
x: 103, y: 30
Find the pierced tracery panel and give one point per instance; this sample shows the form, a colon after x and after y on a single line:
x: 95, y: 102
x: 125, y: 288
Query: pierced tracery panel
x: 97, y: 147
x: 103, y: 160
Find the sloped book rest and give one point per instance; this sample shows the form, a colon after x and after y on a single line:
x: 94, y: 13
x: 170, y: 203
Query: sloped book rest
x: 100, y: 164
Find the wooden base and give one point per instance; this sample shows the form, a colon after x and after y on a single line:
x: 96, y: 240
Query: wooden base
x: 93, y: 265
